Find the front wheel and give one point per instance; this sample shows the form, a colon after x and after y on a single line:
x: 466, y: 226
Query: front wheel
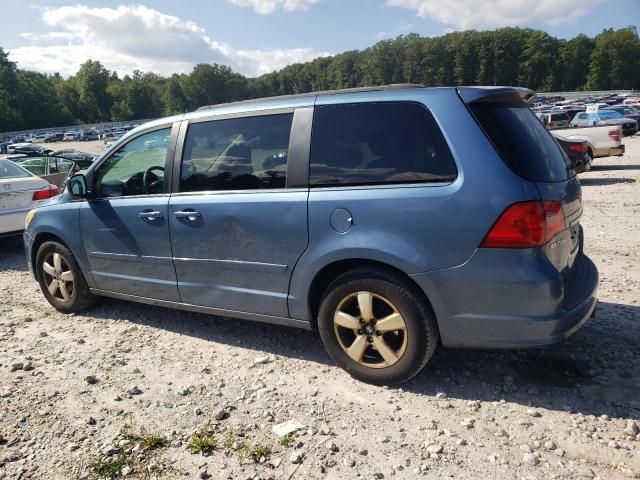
x: 61, y: 279
x: 377, y: 326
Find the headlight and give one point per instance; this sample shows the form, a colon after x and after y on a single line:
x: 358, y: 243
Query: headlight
x: 29, y: 217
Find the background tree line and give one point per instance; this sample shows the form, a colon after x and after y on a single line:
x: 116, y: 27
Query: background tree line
x: 507, y: 56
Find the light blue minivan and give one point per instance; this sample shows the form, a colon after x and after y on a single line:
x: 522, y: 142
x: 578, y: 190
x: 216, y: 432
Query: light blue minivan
x: 389, y: 219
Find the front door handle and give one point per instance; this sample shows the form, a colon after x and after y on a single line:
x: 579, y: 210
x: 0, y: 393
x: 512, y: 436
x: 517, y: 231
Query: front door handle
x: 150, y: 215
x: 190, y: 215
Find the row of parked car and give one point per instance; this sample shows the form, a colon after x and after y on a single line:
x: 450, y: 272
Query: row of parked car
x: 590, y: 127
x: 75, y: 135
x: 627, y: 116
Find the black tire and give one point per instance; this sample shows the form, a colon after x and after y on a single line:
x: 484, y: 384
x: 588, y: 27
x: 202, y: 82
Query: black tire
x: 79, y: 295
x: 421, y: 328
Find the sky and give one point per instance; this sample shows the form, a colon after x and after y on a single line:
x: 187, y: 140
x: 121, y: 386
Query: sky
x: 258, y: 36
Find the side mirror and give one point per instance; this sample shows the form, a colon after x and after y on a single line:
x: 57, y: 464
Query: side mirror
x: 77, y: 186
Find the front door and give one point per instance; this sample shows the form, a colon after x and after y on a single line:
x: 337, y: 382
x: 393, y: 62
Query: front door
x: 237, y: 231
x: 125, y: 227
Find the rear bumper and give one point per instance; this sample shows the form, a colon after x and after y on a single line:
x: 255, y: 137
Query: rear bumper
x: 616, y: 151
x: 497, y: 300
x: 13, y: 222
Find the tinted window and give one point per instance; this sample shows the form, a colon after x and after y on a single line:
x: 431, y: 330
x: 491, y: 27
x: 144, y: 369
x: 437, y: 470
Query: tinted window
x: 522, y: 142
x: 377, y: 143
x: 236, y: 154
x: 136, y: 168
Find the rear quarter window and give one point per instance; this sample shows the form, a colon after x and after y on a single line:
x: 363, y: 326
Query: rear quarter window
x: 524, y: 144
x: 376, y: 144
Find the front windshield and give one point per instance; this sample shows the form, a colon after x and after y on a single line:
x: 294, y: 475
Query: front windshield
x: 608, y: 114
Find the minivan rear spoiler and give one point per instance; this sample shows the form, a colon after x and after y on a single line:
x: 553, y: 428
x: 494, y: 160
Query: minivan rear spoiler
x: 496, y: 94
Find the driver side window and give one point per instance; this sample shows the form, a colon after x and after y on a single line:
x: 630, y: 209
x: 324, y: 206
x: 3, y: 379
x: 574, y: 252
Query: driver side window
x: 136, y: 168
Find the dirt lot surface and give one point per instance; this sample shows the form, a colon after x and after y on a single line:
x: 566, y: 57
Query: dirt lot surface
x: 122, y: 388
x: 94, y: 146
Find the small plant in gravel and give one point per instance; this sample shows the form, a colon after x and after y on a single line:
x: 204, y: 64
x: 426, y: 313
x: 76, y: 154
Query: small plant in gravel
x: 202, y: 443
x: 229, y: 440
x: 183, y: 392
x: 109, y: 468
x: 287, y: 441
x: 147, y: 440
x: 152, y: 441
x: 259, y: 451
x: 253, y: 452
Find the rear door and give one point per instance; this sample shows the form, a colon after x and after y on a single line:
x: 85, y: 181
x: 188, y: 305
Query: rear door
x: 238, y: 217
x: 530, y: 151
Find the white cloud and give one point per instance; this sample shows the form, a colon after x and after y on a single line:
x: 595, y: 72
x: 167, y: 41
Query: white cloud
x: 133, y: 37
x: 265, y: 7
x: 497, y: 13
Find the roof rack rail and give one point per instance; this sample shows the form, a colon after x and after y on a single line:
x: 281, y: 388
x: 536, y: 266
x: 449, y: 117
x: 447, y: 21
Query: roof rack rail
x: 393, y: 86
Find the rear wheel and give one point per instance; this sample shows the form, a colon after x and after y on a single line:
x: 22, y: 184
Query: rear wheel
x: 61, y: 279
x: 377, y: 326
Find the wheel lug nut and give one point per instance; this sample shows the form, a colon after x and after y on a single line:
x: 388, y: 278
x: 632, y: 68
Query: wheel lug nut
x: 378, y: 332
x: 369, y: 339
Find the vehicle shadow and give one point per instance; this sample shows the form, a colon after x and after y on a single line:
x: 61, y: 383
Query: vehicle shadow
x: 590, y: 182
x: 604, y: 168
x: 596, y: 371
x: 12, y: 254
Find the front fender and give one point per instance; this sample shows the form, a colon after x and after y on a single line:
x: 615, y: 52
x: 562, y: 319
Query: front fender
x: 62, y: 220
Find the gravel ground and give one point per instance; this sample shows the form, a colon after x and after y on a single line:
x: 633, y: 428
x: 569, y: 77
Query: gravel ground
x: 133, y: 389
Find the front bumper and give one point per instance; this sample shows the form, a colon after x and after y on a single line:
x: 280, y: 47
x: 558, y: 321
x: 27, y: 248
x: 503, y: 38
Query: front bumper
x: 28, y: 243
x: 509, y: 299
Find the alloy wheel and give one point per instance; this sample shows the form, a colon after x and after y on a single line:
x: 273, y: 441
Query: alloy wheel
x: 370, y: 329
x: 58, y: 277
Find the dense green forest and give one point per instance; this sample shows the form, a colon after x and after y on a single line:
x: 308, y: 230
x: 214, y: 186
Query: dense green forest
x: 507, y: 56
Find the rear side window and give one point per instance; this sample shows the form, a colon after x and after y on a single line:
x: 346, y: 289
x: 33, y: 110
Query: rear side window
x: 236, y: 154
x: 522, y: 141
x: 377, y: 143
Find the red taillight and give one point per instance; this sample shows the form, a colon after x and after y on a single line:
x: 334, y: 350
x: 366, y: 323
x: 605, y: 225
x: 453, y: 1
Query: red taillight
x: 578, y: 148
x: 48, y: 192
x: 615, y: 134
x: 526, y: 225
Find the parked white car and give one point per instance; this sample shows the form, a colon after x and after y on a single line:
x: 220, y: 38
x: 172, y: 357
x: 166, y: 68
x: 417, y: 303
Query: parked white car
x: 20, y: 191
x: 602, y: 141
